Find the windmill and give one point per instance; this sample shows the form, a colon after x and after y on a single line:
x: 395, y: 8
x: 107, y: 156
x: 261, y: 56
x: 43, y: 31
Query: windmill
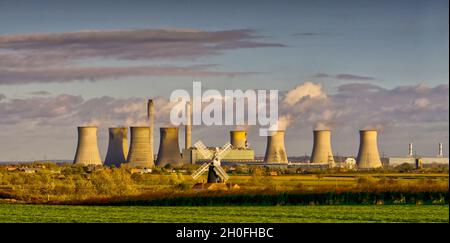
x: 215, y: 173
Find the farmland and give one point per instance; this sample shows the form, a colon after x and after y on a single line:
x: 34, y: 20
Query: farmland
x: 234, y: 214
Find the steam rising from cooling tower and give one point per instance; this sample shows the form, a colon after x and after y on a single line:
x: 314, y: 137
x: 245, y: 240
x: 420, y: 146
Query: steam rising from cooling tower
x: 87, y: 149
x: 118, y: 146
x: 368, y: 155
x: 322, y: 152
x: 169, y: 148
x: 238, y: 139
x: 140, y: 154
x: 275, y: 151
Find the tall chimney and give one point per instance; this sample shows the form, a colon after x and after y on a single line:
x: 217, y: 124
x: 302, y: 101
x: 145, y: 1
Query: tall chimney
x: 188, y: 126
x: 410, y: 150
x: 151, y: 122
x: 169, y: 148
x: 322, y: 152
x: 117, y: 147
x: 368, y: 155
x: 275, y: 151
x: 87, y: 149
x: 441, y: 153
x: 139, y: 155
x: 238, y: 139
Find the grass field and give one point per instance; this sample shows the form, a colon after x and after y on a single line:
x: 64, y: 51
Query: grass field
x: 234, y: 214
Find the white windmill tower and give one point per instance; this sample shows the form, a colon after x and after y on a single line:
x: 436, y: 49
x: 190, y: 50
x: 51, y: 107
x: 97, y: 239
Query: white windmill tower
x: 215, y: 173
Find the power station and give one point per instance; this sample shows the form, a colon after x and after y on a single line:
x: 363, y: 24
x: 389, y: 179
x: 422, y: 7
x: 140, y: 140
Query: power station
x: 87, y: 149
x: 169, y: 148
x: 275, y: 150
x: 140, y: 152
x: 117, y: 146
x: 368, y: 155
x: 322, y: 152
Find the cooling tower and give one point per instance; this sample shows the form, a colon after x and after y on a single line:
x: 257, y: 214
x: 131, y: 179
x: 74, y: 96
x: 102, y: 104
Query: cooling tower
x: 188, y: 127
x: 238, y: 139
x: 275, y: 151
x: 169, y: 148
x: 118, y: 146
x: 322, y: 152
x: 140, y: 154
x: 87, y: 148
x: 368, y: 155
x: 150, y: 117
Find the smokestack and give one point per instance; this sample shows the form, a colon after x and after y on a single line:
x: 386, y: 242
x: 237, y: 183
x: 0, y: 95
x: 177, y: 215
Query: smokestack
x: 441, y: 153
x: 150, y: 118
x: 275, y: 151
x: 322, y: 152
x: 238, y: 139
x: 188, y: 126
x: 87, y: 149
x: 169, y: 148
x: 410, y: 150
x: 118, y: 146
x: 368, y: 155
x: 139, y: 155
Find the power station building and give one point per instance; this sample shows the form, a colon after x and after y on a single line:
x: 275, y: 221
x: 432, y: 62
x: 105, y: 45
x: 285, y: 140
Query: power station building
x: 140, y: 154
x: 420, y: 161
x: 87, y: 148
x: 368, y: 155
x: 117, y: 147
x: 322, y: 152
x: 240, y: 152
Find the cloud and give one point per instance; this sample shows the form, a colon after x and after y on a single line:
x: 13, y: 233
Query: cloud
x: 307, y: 89
x: 2, y: 96
x: 40, y: 92
x: 56, y: 57
x: 310, y: 34
x: 345, y: 76
x: 70, y: 74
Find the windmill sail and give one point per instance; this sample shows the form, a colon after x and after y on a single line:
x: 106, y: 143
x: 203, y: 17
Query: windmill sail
x: 203, y: 150
x: 200, y: 170
x: 224, y: 151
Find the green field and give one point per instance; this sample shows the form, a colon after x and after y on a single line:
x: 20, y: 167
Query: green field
x: 232, y: 214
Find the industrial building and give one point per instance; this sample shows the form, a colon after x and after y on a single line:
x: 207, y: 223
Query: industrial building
x: 140, y: 152
x: 169, y: 148
x: 368, y: 155
x: 275, y: 150
x: 87, y: 152
x: 322, y: 152
x: 420, y: 161
x: 239, y: 153
x: 117, y: 147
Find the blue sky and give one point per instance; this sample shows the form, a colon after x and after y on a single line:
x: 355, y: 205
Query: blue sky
x: 388, y: 43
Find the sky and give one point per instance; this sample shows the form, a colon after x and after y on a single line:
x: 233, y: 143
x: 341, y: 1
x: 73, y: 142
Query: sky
x: 351, y: 64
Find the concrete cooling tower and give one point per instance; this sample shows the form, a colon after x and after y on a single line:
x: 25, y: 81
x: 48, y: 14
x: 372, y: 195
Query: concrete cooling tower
x: 140, y: 154
x: 169, y: 148
x: 275, y: 151
x: 368, y: 155
x: 238, y: 139
x: 87, y: 149
x: 118, y: 146
x: 322, y: 152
